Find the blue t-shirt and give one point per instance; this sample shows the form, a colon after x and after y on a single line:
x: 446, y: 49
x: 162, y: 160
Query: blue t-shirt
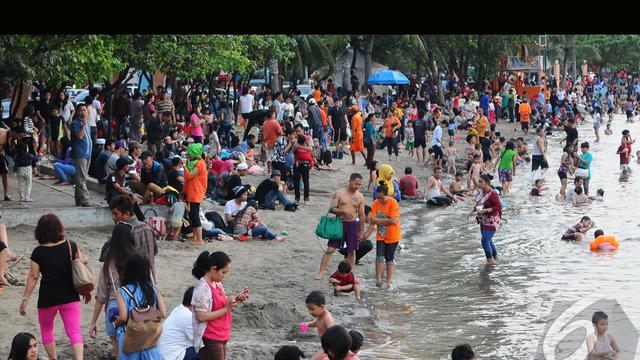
x: 80, y: 148
x: 588, y: 158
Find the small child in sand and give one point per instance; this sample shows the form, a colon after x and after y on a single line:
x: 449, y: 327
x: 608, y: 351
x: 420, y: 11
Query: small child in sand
x: 538, y: 187
x: 608, y: 130
x: 409, y: 135
x: 601, y: 345
x: 344, y: 281
x: 456, y: 185
x: 316, y: 305
x: 373, y: 173
x: 452, y: 155
x: 177, y: 214
x: 577, y: 231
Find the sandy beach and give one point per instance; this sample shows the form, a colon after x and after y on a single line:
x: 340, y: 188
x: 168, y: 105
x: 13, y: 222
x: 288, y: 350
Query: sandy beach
x: 279, y: 275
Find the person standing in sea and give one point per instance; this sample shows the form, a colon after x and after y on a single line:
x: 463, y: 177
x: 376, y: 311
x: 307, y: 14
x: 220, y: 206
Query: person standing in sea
x: 348, y: 204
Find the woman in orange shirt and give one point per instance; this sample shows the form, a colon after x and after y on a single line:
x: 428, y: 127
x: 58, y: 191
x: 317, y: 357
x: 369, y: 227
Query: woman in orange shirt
x: 385, y: 215
x: 195, y: 187
x: 357, y: 135
x: 391, y: 125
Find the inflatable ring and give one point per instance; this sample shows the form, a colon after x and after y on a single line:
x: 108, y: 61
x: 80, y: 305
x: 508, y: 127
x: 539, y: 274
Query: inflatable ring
x: 604, y: 242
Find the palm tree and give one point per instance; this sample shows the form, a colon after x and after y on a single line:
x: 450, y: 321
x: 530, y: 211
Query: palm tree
x: 564, y: 47
x: 312, y: 52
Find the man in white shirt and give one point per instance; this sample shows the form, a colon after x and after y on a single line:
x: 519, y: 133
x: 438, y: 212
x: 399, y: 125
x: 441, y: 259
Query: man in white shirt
x: 247, y: 103
x: 436, y: 140
x: 176, y: 341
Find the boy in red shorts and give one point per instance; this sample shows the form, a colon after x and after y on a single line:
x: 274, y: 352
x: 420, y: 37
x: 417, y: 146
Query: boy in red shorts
x: 343, y: 280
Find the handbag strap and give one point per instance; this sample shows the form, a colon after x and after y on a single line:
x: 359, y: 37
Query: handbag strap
x: 70, y: 251
x: 113, y: 283
x: 124, y: 288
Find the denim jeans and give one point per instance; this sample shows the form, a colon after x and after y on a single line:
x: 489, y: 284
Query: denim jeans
x: 273, y: 195
x: 263, y: 232
x: 487, y: 243
x: 64, y: 171
x: 225, y: 133
x: 213, y: 233
x: 319, y: 134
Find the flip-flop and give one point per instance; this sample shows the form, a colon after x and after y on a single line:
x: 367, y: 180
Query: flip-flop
x: 15, y: 260
x: 12, y: 280
x: 244, y: 238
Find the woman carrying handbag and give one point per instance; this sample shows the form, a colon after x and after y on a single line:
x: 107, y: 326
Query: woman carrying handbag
x: 57, y: 292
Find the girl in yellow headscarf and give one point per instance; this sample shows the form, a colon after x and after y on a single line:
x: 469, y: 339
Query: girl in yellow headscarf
x: 385, y: 174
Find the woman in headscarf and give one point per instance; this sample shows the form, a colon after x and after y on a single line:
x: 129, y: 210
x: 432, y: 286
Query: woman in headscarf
x: 195, y: 187
x: 385, y: 174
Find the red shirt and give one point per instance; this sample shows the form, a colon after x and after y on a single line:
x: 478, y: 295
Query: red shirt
x: 624, y: 156
x: 271, y: 131
x: 345, y: 280
x: 219, y: 328
x: 303, y: 155
x: 409, y: 185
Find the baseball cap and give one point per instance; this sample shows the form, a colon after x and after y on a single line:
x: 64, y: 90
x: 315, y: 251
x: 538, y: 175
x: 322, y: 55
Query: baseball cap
x: 242, y: 166
x: 134, y: 145
x: 312, y: 101
x: 121, y: 144
x: 100, y: 141
x: 276, y: 172
x: 239, y: 190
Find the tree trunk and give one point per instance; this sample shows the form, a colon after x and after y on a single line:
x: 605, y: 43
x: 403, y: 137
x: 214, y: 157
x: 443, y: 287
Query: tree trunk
x: 275, y: 75
x: 573, y: 58
x: 367, y: 59
x: 352, y: 70
x: 16, y: 100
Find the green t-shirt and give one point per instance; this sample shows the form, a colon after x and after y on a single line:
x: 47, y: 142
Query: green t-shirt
x: 506, y: 161
x: 512, y: 100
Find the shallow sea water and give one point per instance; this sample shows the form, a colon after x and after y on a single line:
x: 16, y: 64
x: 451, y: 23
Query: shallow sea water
x: 445, y: 295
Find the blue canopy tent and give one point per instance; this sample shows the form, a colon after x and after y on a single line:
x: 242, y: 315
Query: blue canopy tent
x: 388, y: 77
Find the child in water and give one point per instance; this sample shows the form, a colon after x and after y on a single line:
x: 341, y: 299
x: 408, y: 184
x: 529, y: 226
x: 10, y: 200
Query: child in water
x: 316, y: 305
x: 356, y: 341
x: 601, y: 345
x: 577, y: 231
x: 456, y: 185
x: 538, y: 187
x: 579, y: 197
x: 344, y: 281
x: 476, y: 169
x: 452, y: 154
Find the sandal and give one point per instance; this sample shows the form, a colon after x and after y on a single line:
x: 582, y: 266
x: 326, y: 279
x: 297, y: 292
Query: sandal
x: 7, y: 198
x: 12, y: 280
x: 16, y: 259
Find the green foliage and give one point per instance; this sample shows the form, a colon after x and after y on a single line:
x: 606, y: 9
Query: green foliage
x: 613, y: 51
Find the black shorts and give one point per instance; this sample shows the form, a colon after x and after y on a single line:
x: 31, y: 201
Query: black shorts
x: 385, y: 251
x: 3, y: 165
x: 420, y: 142
x: 486, y: 157
x: 629, y: 114
x: 439, y: 201
x: 562, y: 175
x: 524, y: 125
x: 342, y: 133
x: 194, y: 215
x: 538, y: 161
x: 437, y: 152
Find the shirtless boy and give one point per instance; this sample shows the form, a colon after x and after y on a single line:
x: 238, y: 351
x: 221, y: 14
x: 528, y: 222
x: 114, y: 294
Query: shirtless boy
x: 348, y: 204
x: 456, y: 185
x: 316, y: 305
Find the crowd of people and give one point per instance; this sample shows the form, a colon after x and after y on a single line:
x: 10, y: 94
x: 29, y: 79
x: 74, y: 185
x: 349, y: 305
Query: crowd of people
x: 157, y: 152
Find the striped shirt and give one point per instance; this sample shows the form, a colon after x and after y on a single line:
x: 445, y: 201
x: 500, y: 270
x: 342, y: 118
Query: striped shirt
x: 145, y: 240
x: 162, y: 106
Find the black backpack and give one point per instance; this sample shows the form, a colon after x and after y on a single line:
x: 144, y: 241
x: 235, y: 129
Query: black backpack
x: 216, y: 219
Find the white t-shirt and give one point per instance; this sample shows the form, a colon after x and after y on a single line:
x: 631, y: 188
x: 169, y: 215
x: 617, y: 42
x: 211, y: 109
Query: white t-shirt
x: 246, y: 103
x: 232, y: 208
x: 93, y: 116
x: 66, y: 110
x: 287, y: 110
x: 177, y: 334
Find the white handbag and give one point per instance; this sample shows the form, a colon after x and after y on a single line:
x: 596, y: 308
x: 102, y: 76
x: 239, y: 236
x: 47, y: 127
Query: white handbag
x: 580, y: 172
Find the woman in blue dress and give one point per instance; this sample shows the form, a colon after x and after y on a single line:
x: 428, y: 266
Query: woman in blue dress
x: 137, y: 280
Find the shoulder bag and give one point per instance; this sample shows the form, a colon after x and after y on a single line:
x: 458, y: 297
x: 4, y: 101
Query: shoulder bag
x: 83, y: 276
x: 330, y: 227
x: 143, y: 327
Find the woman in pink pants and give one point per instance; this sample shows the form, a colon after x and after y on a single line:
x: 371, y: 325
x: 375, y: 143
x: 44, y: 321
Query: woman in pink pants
x: 52, y: 259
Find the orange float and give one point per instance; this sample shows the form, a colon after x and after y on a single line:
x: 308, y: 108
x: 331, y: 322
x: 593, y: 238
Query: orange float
x: 604, y: 242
